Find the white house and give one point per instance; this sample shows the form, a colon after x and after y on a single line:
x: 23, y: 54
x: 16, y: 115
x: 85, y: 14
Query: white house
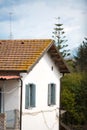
x: 30, y: 73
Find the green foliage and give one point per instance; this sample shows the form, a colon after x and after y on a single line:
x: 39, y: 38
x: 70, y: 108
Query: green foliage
x: 74, y: 90
x: 71, y: 64
x: 69, y: 97
x: 60, y: 39
x: 74, y: 97
x: 81, y: 58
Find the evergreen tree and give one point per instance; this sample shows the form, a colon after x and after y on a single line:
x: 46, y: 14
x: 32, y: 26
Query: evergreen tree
x: 60, y: 39
x: 81, y: 58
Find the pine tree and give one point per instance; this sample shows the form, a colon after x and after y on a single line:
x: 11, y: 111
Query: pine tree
x: 60, y: 39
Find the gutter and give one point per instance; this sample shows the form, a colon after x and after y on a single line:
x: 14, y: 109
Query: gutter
x: 21, y: 92
x: 60, y: 104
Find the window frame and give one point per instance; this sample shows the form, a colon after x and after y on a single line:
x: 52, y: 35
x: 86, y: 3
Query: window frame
x: 51, y: 94
x: 30, y: 95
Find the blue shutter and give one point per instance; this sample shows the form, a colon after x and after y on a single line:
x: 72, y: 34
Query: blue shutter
x: 49, y: 94
x: 32, y: 95
x: 27, y: 97
x: 53, y: 93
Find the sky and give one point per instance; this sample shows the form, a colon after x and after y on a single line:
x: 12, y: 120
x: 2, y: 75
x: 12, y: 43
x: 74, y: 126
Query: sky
x: 35, y: 19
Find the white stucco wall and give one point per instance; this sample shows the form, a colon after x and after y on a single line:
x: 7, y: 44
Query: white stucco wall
x: 42, y: 117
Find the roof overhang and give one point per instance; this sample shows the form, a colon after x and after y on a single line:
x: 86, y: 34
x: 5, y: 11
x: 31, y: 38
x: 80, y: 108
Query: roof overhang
x: 9, y: 77
x: 58, y: 60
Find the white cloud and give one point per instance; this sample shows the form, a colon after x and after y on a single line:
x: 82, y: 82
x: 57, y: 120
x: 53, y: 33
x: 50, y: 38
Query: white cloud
x: 36, y: 20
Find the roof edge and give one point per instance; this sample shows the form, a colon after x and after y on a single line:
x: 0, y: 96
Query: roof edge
x: 62, y: 59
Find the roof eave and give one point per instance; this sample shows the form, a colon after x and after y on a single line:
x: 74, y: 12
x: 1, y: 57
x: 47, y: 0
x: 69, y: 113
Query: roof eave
x: 58, y: 59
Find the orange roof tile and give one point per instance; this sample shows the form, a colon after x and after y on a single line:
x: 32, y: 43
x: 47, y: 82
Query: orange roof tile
x: 21, y: 55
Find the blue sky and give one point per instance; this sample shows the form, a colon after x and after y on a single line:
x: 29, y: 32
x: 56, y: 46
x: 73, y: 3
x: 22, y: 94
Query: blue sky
x: 36, y: 19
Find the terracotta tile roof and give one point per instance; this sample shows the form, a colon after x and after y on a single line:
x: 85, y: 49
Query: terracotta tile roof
x: 21, y: 55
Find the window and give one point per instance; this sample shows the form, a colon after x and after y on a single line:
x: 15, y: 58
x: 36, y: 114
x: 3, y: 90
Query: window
x: 30, y: 96
x: 51, y: 94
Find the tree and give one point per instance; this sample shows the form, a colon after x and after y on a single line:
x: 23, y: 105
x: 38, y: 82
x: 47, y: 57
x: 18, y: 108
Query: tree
x: 74, y: 98
x: 60, y: 39
x: 81, y: 58
x: 74, y: 90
